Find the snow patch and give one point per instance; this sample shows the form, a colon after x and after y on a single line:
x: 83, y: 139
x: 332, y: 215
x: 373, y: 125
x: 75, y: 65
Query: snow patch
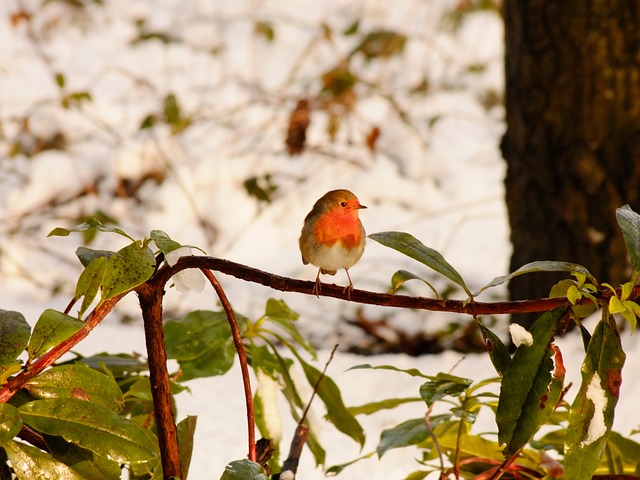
x: 268, y: 392
x: 189, y: 278
x: 597, y: 426
x: 519, y: 335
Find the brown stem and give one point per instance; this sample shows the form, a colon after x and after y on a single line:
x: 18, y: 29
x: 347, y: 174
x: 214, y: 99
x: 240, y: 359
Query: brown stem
x: 150, y: 296
x: 242, y: 357
x: 33, y: 369
x: 287, y: 284
x: 504, y: 467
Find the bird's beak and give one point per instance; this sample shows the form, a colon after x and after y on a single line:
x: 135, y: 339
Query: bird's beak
x: 361, y: 206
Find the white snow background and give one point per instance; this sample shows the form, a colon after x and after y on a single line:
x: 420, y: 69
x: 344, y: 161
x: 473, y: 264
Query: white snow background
x: 436, y: 173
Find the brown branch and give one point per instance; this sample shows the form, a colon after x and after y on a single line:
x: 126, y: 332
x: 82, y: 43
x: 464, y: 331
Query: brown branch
x: 31, y: 370
x: 286, y: 284
x: 150, y: 296
x: 242, y: 357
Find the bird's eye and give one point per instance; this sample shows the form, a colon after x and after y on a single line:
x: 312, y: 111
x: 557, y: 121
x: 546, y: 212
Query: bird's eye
x: 343, y: 204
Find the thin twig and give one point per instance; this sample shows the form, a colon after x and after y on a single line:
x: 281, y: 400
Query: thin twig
x: 427, y: 422
x: 302, y: 430
x: 317, y: 385
x: 242, y: 357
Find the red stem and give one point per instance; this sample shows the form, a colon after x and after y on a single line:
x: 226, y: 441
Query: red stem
x: 30, y: 371
x: 242, y: 357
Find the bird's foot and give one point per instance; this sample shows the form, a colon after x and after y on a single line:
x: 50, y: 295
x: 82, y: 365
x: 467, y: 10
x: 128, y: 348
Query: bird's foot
x: 317, y: 287
x: 348, y: 289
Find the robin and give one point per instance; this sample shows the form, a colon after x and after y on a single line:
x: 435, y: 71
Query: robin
x: 332, y: 236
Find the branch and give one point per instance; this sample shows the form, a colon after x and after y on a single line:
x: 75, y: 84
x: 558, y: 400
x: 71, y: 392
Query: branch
x: 150, y: 296
x: 286, y: 284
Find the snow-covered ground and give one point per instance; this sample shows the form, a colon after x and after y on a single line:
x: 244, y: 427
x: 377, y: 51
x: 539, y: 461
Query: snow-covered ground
x: 436, y: 171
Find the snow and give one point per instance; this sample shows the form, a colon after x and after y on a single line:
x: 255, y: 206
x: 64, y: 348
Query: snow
x: 597, y: 426
x: 185, y: 280
x: 520, y: 335
x: 437, y: 173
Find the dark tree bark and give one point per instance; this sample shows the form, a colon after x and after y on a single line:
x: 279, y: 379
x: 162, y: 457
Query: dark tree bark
x: 572, y: 144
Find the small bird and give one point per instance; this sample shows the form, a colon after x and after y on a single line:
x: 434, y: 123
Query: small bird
x: 332, y: 236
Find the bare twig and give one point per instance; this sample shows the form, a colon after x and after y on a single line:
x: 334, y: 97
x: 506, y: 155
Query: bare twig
x: 302, y: 430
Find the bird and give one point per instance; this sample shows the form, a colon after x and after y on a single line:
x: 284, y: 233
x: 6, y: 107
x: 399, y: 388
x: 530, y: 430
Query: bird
x: 332, y: 236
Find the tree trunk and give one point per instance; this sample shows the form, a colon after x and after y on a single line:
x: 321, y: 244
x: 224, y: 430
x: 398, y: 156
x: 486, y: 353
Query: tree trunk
x: 572, y: 143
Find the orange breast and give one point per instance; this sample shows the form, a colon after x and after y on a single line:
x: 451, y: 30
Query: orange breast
x: 333, y: 227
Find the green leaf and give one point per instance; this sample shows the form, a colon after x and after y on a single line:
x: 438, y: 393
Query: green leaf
x: 87, y: 255
x: 89, y: 283
x: 414, y: 372
x: 615, y: 305
x: 9, y: 370
x: 262, y: 188
x: 470, y: 445
x: 148, y: 122
x: 91, y: 426
x: 172, y: 112
x: 14, y: 336
x: 541, y: 401
x: 186, y: 433
x: 540, y: 266
x: 163, y: 241
x: 592, y: 411
x: 90, y: 224
x: 569, y: 289
x: 34, y: 464
x: 627, y: 289
x: 60, y: 80
x: 524, y: 385
x: 201, y: 343
x: 353, y: 28
x: 10, y: 422
x: 623, y: 451
x: 443, y: 385
x: 129, y: 267
x: 337, y: 412
x: 629, y: 222
x: 77, y: 381
x: 381, y: 44
x: 265, y: 30
x: 418, y: 475
x: 401, y: 276
x: 388, y: 404
x: 412, y: 247
x: 244, y: 470
x: 270, y: 361
x: 52, y: 328
x: 118, y: 364
x: 497, y: 350
x: 86, y: 463
x: 410, y: 432
x: 336, y: 469
x: 278, y: 312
